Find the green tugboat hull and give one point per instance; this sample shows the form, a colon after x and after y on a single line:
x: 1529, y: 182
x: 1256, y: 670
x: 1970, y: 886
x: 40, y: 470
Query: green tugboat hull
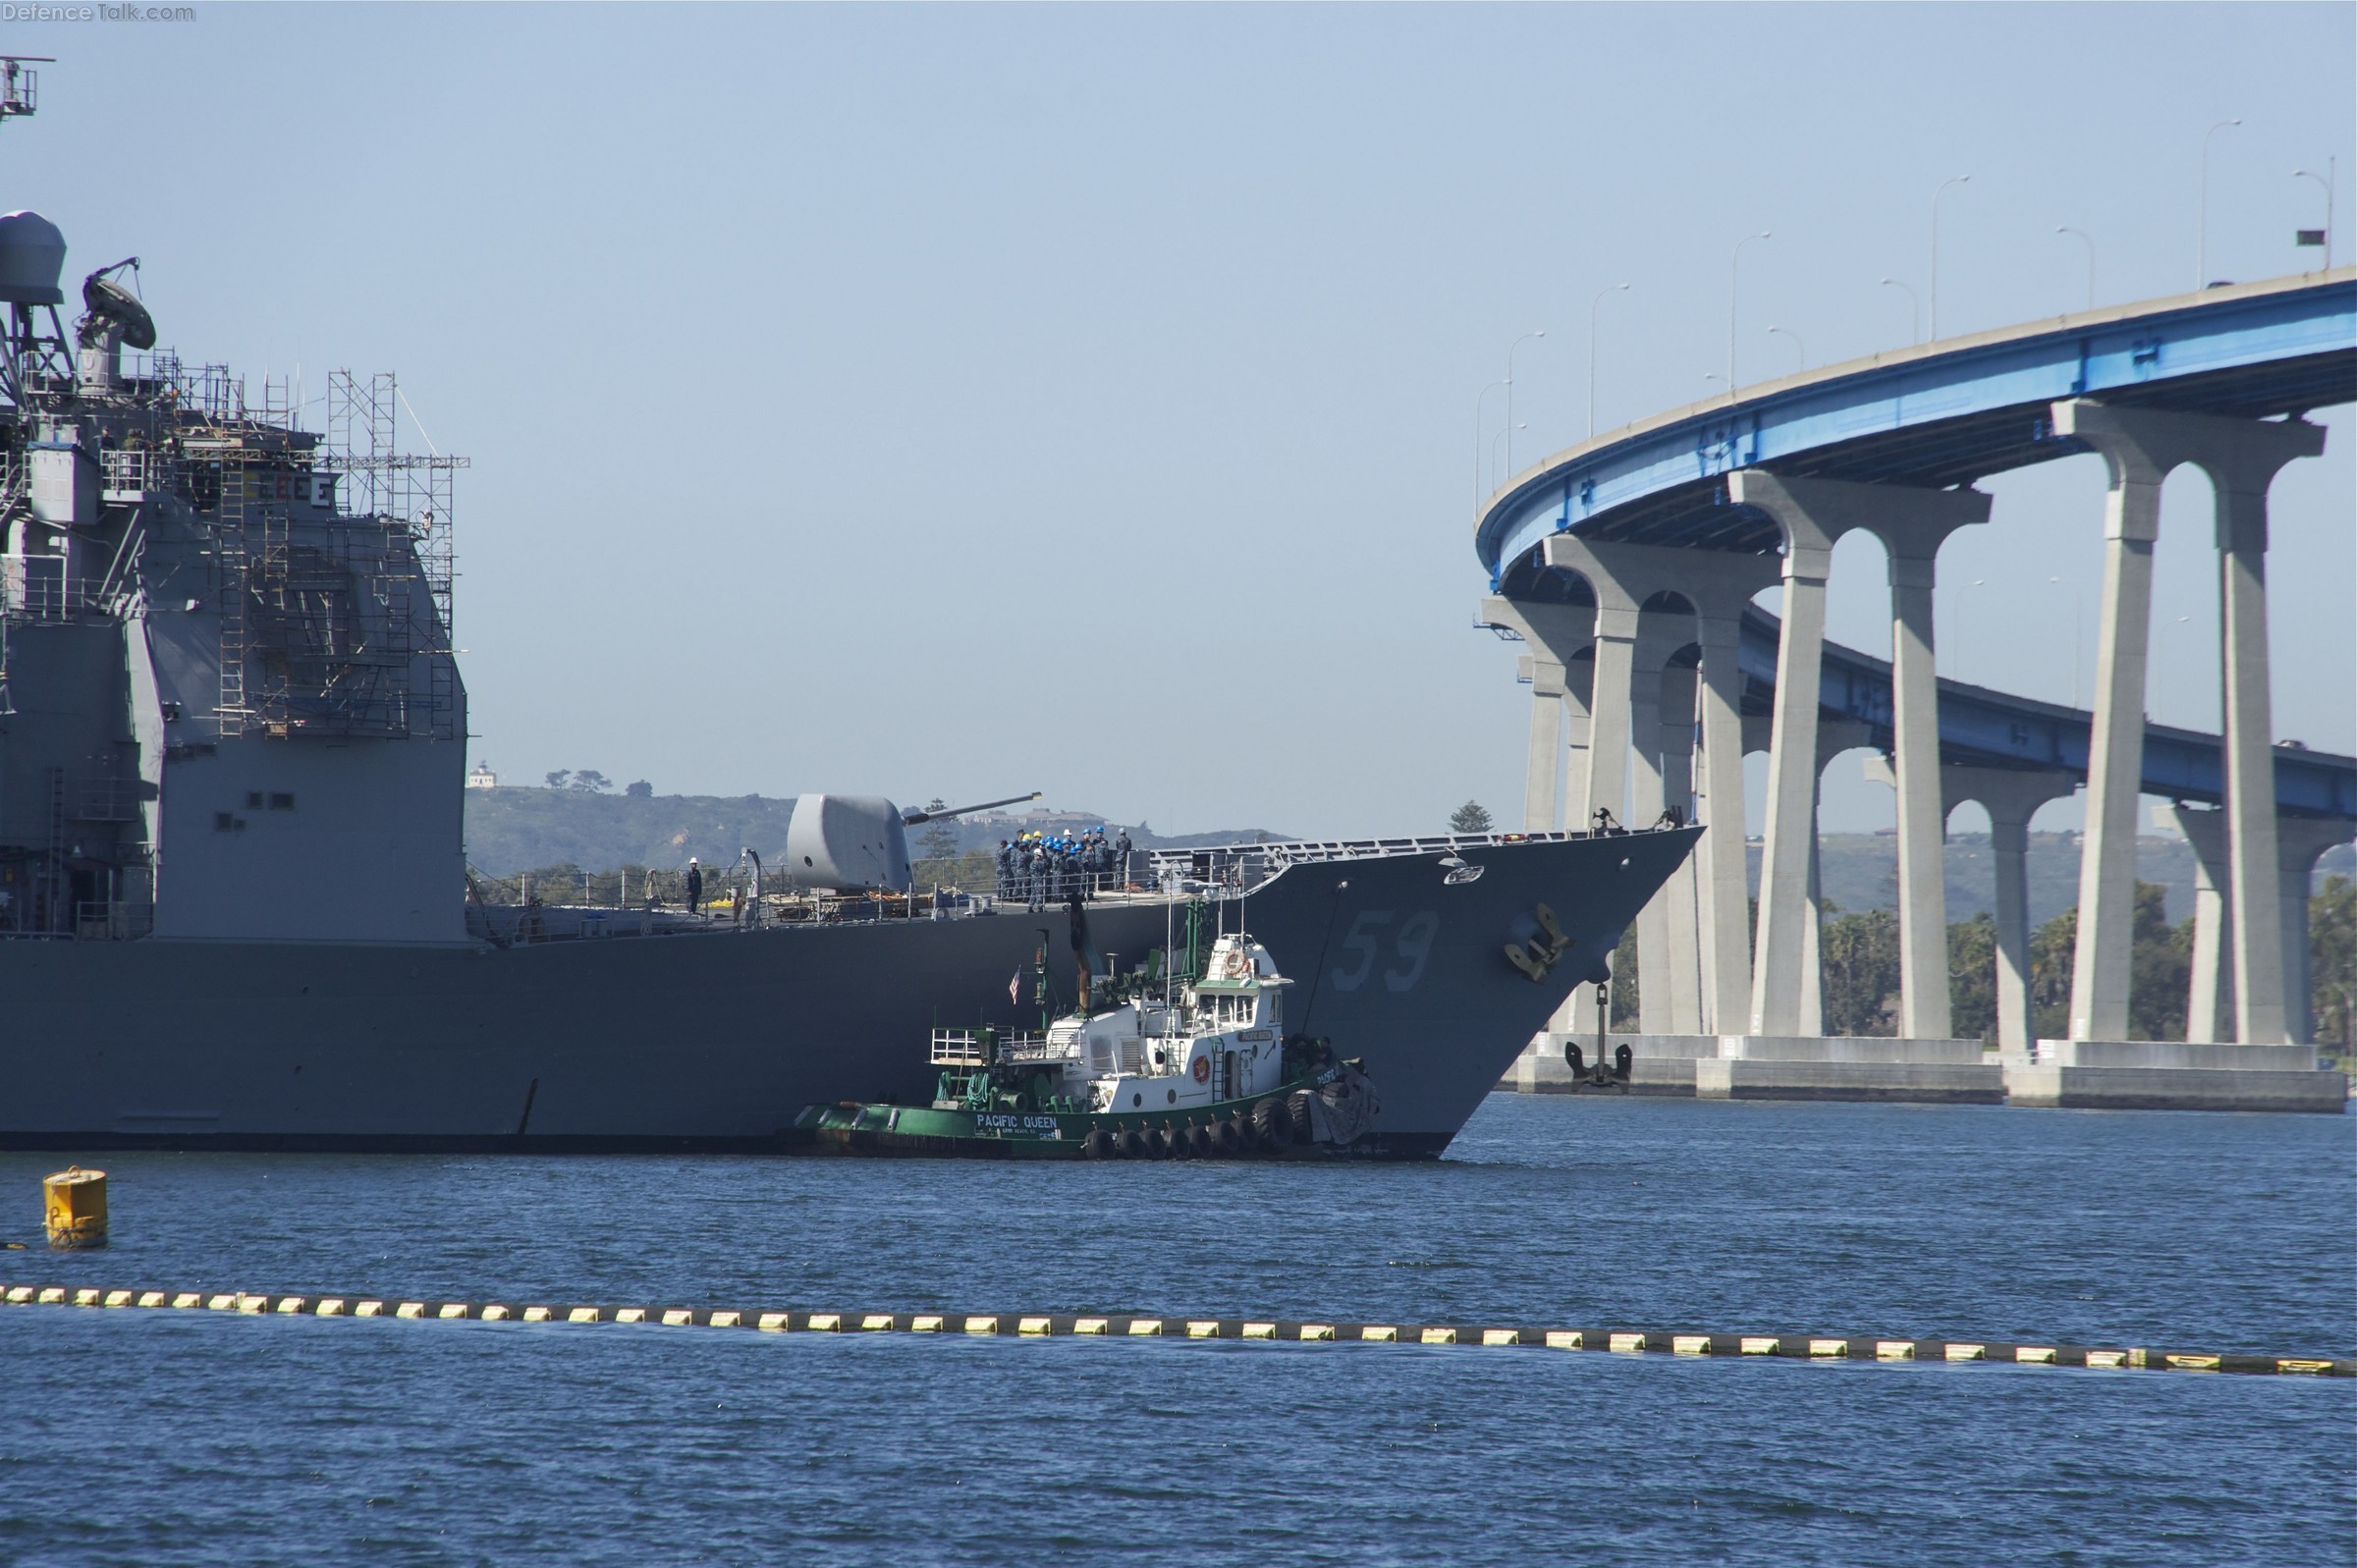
x: 927, y: 1131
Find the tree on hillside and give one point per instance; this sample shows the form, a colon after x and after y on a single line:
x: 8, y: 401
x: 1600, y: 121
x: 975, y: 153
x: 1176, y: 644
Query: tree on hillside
x: 1861, y: 971
x: 2332, y: 961
x: 2053, y: 951
x: 641, y: 791
x: 1972, y: 978
x: 590, y: 781
x: 556, y: 781
x: 1470, y: 817
x: 2160, y: 967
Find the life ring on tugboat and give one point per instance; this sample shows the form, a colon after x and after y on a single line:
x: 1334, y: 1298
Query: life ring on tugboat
x: 1240, y: 964
x: 1202, y: 1069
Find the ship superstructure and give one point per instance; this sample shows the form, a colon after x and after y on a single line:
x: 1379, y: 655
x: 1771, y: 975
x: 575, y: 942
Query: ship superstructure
x: 229, y: 702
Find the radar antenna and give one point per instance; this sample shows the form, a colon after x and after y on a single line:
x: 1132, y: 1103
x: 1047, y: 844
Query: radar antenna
x: 114, y: 317
x: 112, y: 306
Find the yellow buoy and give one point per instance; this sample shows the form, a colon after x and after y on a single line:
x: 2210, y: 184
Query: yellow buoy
x: 75, y: 1201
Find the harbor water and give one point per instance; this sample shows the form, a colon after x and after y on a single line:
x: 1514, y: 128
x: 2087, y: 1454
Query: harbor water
x: 211, y: 1438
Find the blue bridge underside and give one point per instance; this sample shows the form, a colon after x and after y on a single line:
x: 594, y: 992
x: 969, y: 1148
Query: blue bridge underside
x: 1945, y: 414
x: 1950, y: 413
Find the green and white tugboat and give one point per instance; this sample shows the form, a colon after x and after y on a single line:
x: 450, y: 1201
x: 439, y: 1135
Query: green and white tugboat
x: 1195, y: 1065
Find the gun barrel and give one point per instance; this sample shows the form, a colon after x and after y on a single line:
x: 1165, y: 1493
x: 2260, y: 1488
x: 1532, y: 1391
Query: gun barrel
x: 913, y: 818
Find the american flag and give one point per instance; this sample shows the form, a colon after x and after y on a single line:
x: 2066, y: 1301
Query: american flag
x: 1014, y: 988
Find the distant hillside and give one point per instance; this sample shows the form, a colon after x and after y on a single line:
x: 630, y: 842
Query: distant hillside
x: 511, y: 830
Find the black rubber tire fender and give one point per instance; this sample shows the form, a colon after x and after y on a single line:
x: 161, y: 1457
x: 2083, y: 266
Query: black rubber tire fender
x: 1131, y: 1142
x: 1296, y: 1109
x: 1098, y: 1145
x: 1272, y: 1124
x: 1229, y: 1138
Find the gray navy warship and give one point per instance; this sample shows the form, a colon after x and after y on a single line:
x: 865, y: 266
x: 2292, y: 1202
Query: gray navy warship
x: 234, y: 901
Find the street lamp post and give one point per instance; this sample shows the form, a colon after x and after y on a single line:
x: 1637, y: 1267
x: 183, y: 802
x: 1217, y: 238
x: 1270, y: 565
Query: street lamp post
x: 1951, y: 179
x: 1592, y: 304
x: 2201, y: 247
x: 2329, y: 180
x: 1478, y: 403
x: 1732, y: 272
x: 1510, y: 394
x: 1796, y: 342
x: 2065, y: 228
x: 1914, y: 309
x: 1506, y: 436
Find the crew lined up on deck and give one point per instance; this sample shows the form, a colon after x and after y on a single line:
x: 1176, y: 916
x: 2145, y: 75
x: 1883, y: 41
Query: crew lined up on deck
x: 1042, y: 868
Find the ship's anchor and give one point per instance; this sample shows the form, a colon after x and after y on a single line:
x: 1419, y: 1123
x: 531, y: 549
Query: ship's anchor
x: 1544, y: 946
x: 1610, y: 1073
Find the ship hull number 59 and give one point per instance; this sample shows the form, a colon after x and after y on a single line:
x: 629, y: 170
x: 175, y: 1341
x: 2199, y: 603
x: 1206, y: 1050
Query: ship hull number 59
x: 1375, y: 946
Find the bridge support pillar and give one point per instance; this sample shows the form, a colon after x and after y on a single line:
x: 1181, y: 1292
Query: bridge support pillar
x: 1680, y: 895
x: 1609, y: 713
x: 1814, y: 513
x: 1579, y: 675
x: 1555, y: 636
x: 1713, y: 586
x: 1658, y: 965
x: 1809, y: 1018
x: 2210, y: 990
x: 2263, y: 958
x: 2011, y: 798
x: 2139, y: 447
x: 1912, y: 534
x: 2300, y: 841
x: 1723, y: 891
x: 1542, y: 781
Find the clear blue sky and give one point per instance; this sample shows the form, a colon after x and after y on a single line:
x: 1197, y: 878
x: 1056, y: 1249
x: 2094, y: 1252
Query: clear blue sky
x: 963, y: 401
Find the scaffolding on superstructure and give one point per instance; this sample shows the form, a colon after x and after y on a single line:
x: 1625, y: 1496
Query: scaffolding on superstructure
x: 409, y: 496
x: 341, y: 629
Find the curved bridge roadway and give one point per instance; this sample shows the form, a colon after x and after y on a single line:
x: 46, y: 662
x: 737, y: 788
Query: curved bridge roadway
x: 1627, y: 561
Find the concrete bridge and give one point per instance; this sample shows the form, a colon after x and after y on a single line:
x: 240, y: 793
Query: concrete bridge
x: 1626, y: 566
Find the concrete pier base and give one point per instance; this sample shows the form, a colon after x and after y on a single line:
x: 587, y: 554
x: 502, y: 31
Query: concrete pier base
x: 1851, y: 1068
x: 2174, y: 1053
x: 2054, y: 1086
x: 1784, y: 1078
x: 2070, y: 1074
x: 1757, y: 1067
x: 1852, y: 1049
